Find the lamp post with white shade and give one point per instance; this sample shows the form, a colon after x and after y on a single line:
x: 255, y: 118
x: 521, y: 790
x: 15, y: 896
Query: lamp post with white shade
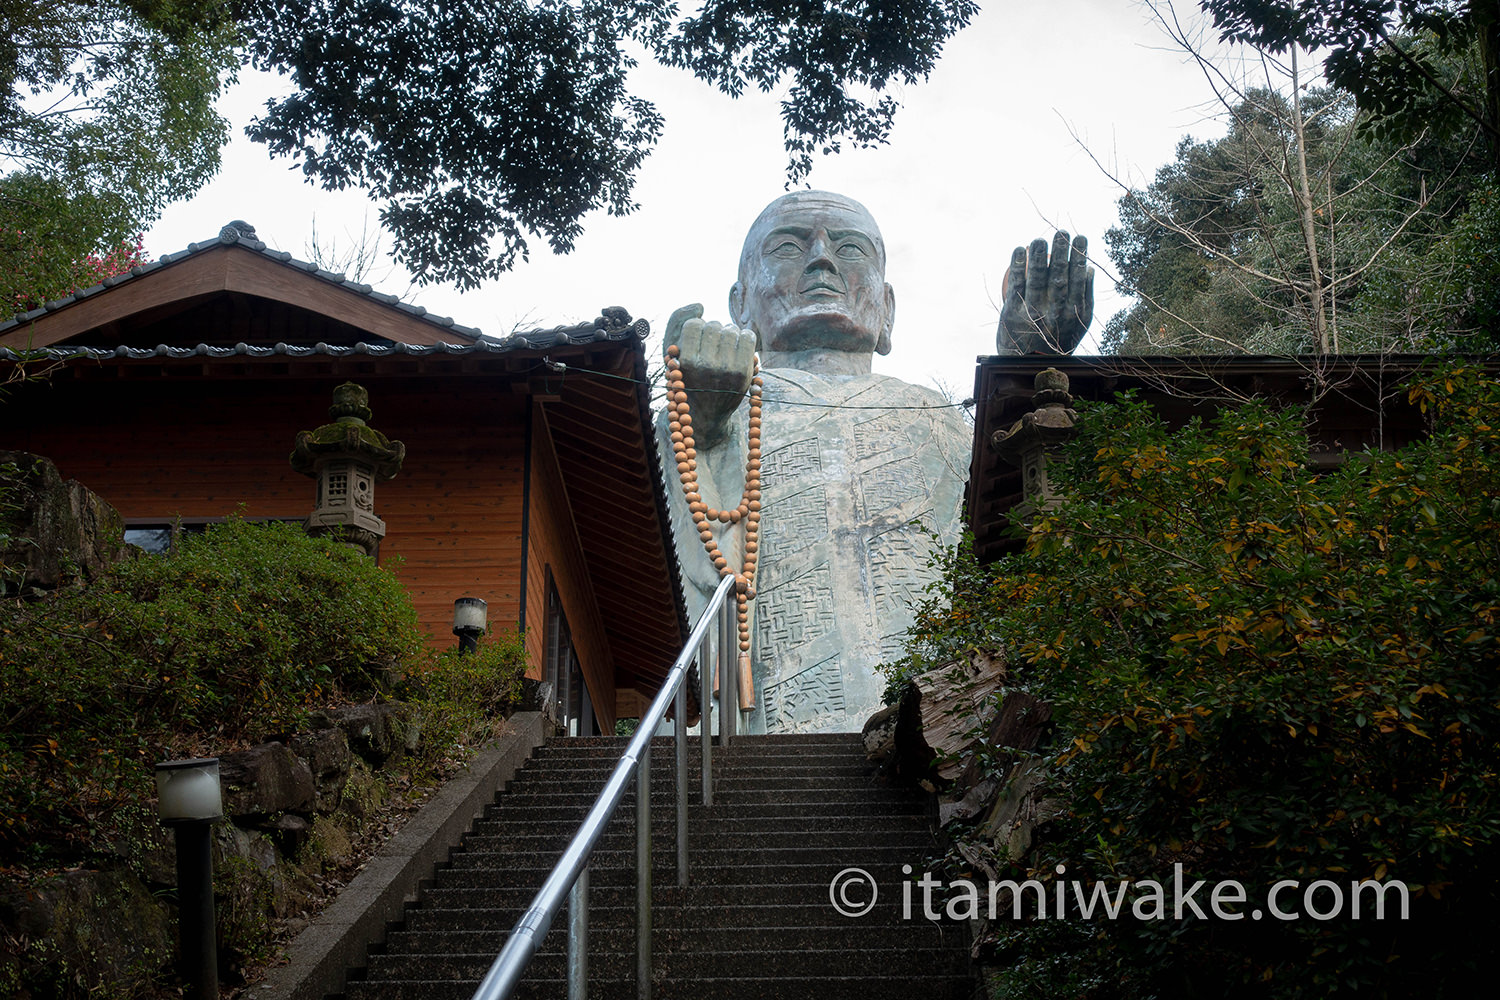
x: 189, y: 801
x: 469, y: 617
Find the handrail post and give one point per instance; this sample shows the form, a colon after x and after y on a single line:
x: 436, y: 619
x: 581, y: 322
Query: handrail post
x: 729, y: 673
x: 682, y: 783
x: 643, y: 875
x: 569, y: 878
x: 578, y: 937
x: 706, y: 726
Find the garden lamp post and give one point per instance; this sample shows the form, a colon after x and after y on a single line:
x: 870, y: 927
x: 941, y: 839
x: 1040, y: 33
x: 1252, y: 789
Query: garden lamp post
x: 469, y: 614
x: 189, y: 801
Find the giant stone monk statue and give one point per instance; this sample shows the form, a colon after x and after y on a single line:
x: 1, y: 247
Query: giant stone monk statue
x: 861, y: 475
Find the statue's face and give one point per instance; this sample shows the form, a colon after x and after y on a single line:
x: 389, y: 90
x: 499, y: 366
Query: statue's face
x: 812, y: 276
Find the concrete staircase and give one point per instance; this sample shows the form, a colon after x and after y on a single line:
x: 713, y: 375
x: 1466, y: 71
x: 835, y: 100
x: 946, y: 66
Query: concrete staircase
x: 755, y: 922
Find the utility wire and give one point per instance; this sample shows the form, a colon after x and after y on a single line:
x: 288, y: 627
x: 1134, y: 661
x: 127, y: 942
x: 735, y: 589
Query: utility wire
x: 558, y: 366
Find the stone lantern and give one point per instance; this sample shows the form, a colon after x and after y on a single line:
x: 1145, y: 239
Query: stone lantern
x: 347, y: 458
x: 1027, y: 441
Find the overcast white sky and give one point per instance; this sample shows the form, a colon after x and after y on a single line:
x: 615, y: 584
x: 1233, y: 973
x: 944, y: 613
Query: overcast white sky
x: 981, y: 161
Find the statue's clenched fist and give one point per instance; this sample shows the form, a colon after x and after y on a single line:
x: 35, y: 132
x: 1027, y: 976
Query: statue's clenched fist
x: 1048, y: 305
x: 718, y: 361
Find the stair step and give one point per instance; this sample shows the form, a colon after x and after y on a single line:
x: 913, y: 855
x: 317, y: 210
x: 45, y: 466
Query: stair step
x: 737, y: 878
x: 560, y: 784
x: 547, y: 807
x: 739, y: 740
x: 756, y: 920
x: 746, y: 961
x: 711, y: 858
x: 616, y: 933
x: 664, y: 838
x: 471, y: 891
x: 928, y: 987
x: 600, y: 768
x: 700, y: 825
x: 497, y: 910
x: 725, y: 795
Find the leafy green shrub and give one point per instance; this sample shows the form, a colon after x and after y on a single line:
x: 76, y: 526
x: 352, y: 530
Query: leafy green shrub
x: 1258, y: 673
x: 462, y: 695
x: 231, y: 638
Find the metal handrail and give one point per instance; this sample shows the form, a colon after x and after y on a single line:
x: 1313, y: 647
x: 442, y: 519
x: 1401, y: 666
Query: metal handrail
x: 570, y: 876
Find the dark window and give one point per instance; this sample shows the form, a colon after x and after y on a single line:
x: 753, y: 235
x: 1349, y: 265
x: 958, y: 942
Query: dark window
x: 574, y: 709
x: 160, y: 537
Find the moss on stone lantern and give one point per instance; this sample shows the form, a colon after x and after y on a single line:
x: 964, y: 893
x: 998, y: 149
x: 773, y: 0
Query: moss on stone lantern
x: 347, y: 458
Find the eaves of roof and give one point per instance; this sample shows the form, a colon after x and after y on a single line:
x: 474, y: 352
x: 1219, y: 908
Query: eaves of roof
x: 614, y: 326
x: 243, y: 235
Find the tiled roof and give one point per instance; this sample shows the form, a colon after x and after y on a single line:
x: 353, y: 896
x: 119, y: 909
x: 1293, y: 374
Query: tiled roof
x: 614, y: 325
x: 242, y: 234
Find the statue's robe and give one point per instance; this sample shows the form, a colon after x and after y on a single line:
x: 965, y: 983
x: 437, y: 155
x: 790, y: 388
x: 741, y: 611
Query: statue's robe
x: 862, y: 480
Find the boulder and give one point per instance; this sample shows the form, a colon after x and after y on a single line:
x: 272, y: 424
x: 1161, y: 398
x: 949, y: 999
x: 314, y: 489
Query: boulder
x: 83, y: 927
x: 266, y: 779
x: 327, y: 754
x: 56, y: 531
x: 375, y: 730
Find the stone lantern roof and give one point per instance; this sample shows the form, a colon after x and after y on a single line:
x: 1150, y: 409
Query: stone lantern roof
x: 348, y: 436
x: 347, y: 458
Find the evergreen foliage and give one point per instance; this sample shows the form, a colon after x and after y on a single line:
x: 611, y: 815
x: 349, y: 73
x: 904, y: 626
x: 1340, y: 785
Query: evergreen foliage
x: 1215, y: 251
x: 229, y: 639
x: 1259, y: 673
x: 478, y: 124
x: 106, y: 116
x: 1395, y: 58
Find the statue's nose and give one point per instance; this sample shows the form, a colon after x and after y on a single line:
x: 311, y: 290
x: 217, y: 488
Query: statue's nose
x: 820, y: 256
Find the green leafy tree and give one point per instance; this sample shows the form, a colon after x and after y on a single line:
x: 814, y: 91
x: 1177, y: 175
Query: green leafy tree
x: 479, y: 123
x: 106, y: 115
x: 476, y: 125
x: 1395, y: 58
x: 1299, y: 230
x: 1258, y: 673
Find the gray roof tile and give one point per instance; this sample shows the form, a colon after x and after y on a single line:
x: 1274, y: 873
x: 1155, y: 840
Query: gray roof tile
x: 616, y: 325
x: 235, y: 234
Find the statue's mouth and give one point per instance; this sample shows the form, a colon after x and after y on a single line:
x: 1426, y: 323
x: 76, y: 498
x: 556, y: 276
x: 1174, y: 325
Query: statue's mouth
x: 822, y: 289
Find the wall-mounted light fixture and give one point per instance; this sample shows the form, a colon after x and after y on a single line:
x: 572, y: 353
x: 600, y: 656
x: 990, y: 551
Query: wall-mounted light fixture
x: 469, y: 616
x: 189, y: 801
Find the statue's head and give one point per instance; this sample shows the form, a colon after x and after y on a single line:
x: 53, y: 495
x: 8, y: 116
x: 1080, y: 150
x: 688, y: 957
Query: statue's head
x: 812, y: 278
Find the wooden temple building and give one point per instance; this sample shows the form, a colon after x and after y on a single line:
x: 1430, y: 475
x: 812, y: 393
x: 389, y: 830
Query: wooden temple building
x: 531, y: 478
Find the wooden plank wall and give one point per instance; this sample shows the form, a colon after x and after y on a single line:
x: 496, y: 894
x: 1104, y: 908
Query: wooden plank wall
x: 207, y: 447
x: 554, y: 545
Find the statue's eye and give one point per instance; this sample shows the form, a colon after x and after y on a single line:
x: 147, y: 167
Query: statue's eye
x: 786, y: 250
x: 852, y: 251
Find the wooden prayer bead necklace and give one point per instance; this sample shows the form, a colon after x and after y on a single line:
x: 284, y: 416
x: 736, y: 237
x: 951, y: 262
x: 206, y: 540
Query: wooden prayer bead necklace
x: 680, y: 423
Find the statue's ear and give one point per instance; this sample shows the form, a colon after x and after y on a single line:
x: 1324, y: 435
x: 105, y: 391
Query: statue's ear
x: 738, y: 314
x: 883, y: 342
x: 737, y: 303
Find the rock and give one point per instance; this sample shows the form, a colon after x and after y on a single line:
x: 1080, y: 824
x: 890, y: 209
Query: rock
x: 61, y: 532
x: 538, y: 696
x: 327, y: 754
x: 938, y: 721
x: 955, y: 702
x: 83, y: 927
x: 879, y: 734
x: 264, y: 780
x: 232, y: 842
x: 329, y: 846
x: 374, y: 729
x: 289, y: 831
x: 364, y: 794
